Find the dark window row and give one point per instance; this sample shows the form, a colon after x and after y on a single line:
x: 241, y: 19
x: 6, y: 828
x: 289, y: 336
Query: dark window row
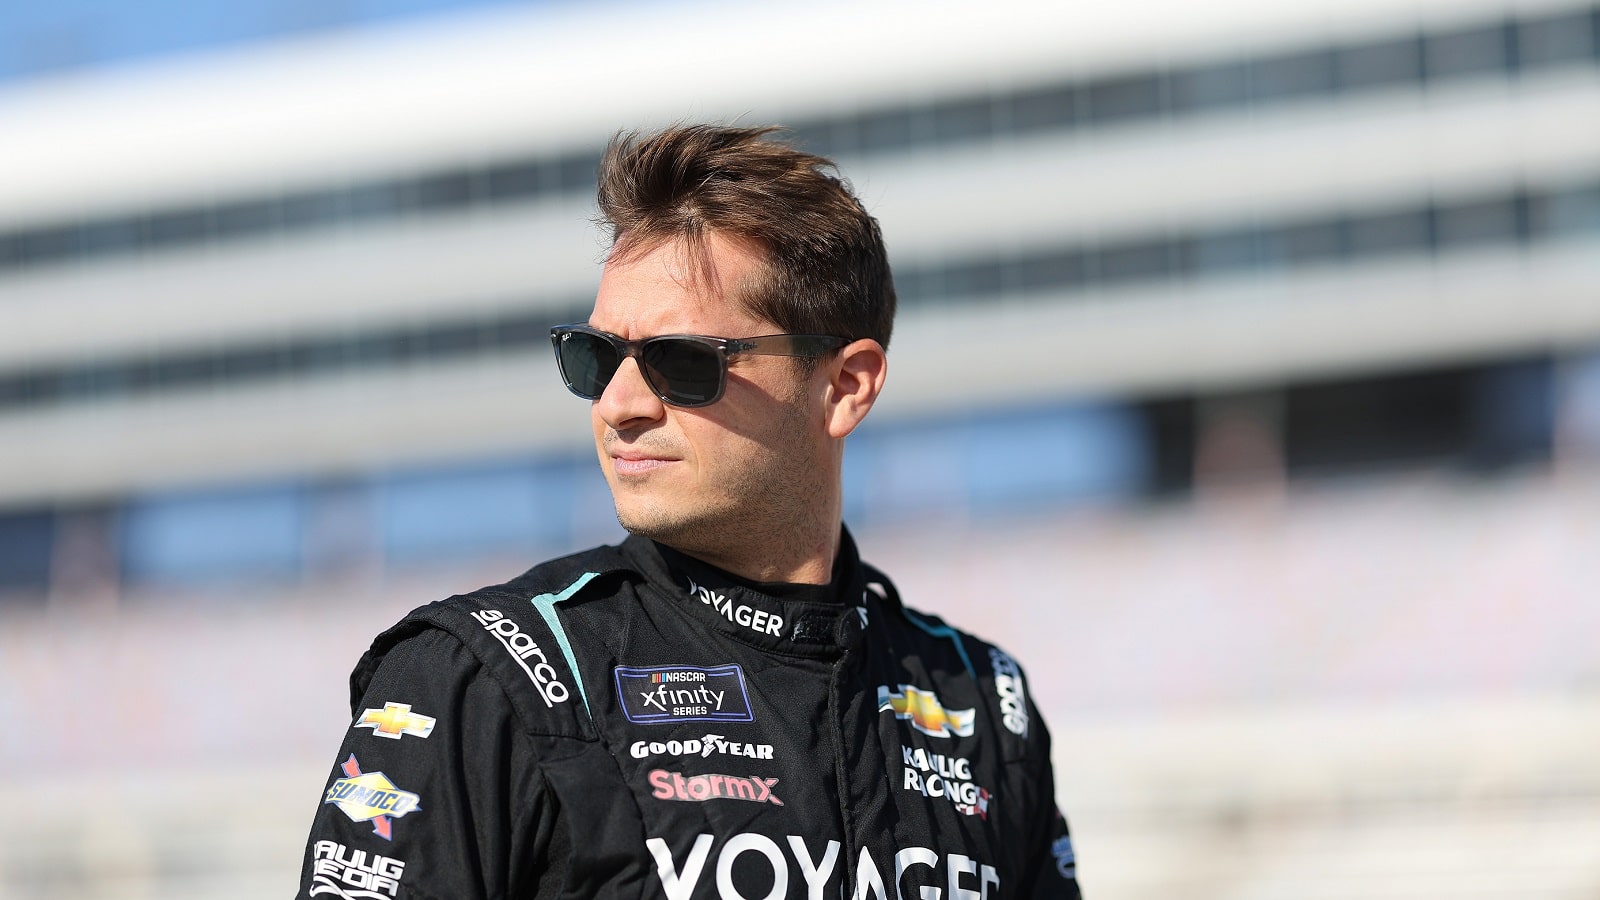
x: 1499, y: 48
x: 971, y: 465
x: 1516, y: 217
x: 288, y: 530
x: 322, y: 354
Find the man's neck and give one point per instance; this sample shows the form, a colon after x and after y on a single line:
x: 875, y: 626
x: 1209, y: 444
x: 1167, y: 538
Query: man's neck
x: 804, y: 561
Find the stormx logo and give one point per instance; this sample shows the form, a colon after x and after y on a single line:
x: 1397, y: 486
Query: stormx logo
x: 523, y: 650
x: 683, y: 694
x: 699, y: 788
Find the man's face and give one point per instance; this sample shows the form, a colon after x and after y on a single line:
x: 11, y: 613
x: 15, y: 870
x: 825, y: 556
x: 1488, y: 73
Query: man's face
x: 705, y: 479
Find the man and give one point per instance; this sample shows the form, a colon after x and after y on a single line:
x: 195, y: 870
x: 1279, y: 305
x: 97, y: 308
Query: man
x: 728, y: 704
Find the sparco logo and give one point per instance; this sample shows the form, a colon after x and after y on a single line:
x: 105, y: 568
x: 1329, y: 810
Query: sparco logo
x: 911, y: 872
x: 698, y: 788
x: 522, y: 649
x: 362, y: 877
x: 702, y: 747
x: 754, y: 619
x: 1013, y: 696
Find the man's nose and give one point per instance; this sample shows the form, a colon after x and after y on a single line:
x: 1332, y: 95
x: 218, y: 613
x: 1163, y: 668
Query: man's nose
x: 628, y: 401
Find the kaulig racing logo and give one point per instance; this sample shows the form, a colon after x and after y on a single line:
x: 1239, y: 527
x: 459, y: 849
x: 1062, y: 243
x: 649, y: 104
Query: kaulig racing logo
x: 771, y: 867
x: 949, y: 777
x: 701, y: 747
x: 523, y: 649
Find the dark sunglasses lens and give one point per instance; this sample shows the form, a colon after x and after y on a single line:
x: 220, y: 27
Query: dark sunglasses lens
x: 687, y: 373
x: 588, y: 362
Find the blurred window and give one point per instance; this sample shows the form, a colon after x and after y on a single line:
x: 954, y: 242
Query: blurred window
x: 1305, y: 243
x: 1065, y: 268
x: 1487, y: 221
x: 475, y: 510
x: 1027, y: 460
x: 1296, y: 75
x: 1136, y: 261
x: 1139, y: 96
x: 1561, y: 39
x: 1226, y: 251
x: 518, y: 180
x: 1570, y: 212
x: 885, y: 130
x: 1046, y: 108
x: 1394, y: 232
x: 962, y: 118
x: 1380, y: 64
x: 1471, y: 52
x: 26, y: 543
x: 1206, y: 87
x: 225, y: 535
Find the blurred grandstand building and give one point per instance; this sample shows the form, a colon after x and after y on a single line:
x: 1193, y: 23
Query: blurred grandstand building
x: 1273, y: 329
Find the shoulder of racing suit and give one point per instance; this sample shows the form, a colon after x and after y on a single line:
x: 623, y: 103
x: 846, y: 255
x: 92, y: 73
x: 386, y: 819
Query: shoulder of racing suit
x: 943, y: 648
x: 513, y: 631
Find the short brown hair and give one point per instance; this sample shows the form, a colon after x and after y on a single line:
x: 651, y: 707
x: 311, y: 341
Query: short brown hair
x: 826, y: 268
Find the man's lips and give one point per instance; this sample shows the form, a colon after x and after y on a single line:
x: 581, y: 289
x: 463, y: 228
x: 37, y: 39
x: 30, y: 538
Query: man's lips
x: 626, y: 463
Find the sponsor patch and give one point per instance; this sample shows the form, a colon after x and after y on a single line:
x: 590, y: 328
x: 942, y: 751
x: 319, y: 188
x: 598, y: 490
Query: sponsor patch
x: 1011, y: 691
x: 353, y: 874
x: 924, y: 711
x: 949, y: 777
x: 777, y: 863
x: 683, y: 694
x: 1066, y: 861
x: 526, y: 653
x: 699, y: 788
x: 370, y: 797
x: 701, y: 747
x: 753, y: 618
x: 394, y: 720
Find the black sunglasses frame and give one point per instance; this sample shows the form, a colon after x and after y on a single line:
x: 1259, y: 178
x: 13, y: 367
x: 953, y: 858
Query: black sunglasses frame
x: 795, y: 345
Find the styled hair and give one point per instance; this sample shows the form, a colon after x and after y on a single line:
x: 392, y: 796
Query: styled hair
x: 826, y: 270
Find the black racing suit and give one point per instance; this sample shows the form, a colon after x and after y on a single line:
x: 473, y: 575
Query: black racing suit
x: 629, y: 722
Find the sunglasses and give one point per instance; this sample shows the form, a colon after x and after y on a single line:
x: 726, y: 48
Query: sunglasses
x: 682, y: 369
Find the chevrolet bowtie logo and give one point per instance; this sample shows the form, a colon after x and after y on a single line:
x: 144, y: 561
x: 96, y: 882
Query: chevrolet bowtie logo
x: 925, y: 712
x: 394, y: 720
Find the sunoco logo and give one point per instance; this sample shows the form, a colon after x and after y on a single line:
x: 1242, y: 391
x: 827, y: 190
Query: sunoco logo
x: 524, y: 649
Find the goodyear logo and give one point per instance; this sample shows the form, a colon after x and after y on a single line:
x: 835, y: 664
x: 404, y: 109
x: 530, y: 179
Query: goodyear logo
x: 394, y: 720
x: 370, y: 797
x: 924, y: 711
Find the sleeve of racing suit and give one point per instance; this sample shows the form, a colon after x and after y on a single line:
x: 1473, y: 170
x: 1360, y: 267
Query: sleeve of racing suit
x: 435, y: 793
x: 1053, y: 870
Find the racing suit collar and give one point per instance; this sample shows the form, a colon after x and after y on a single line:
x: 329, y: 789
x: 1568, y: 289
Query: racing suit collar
x: 807, y: 619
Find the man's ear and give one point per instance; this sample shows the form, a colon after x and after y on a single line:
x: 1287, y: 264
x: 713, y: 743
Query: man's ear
x: 855, y: 378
